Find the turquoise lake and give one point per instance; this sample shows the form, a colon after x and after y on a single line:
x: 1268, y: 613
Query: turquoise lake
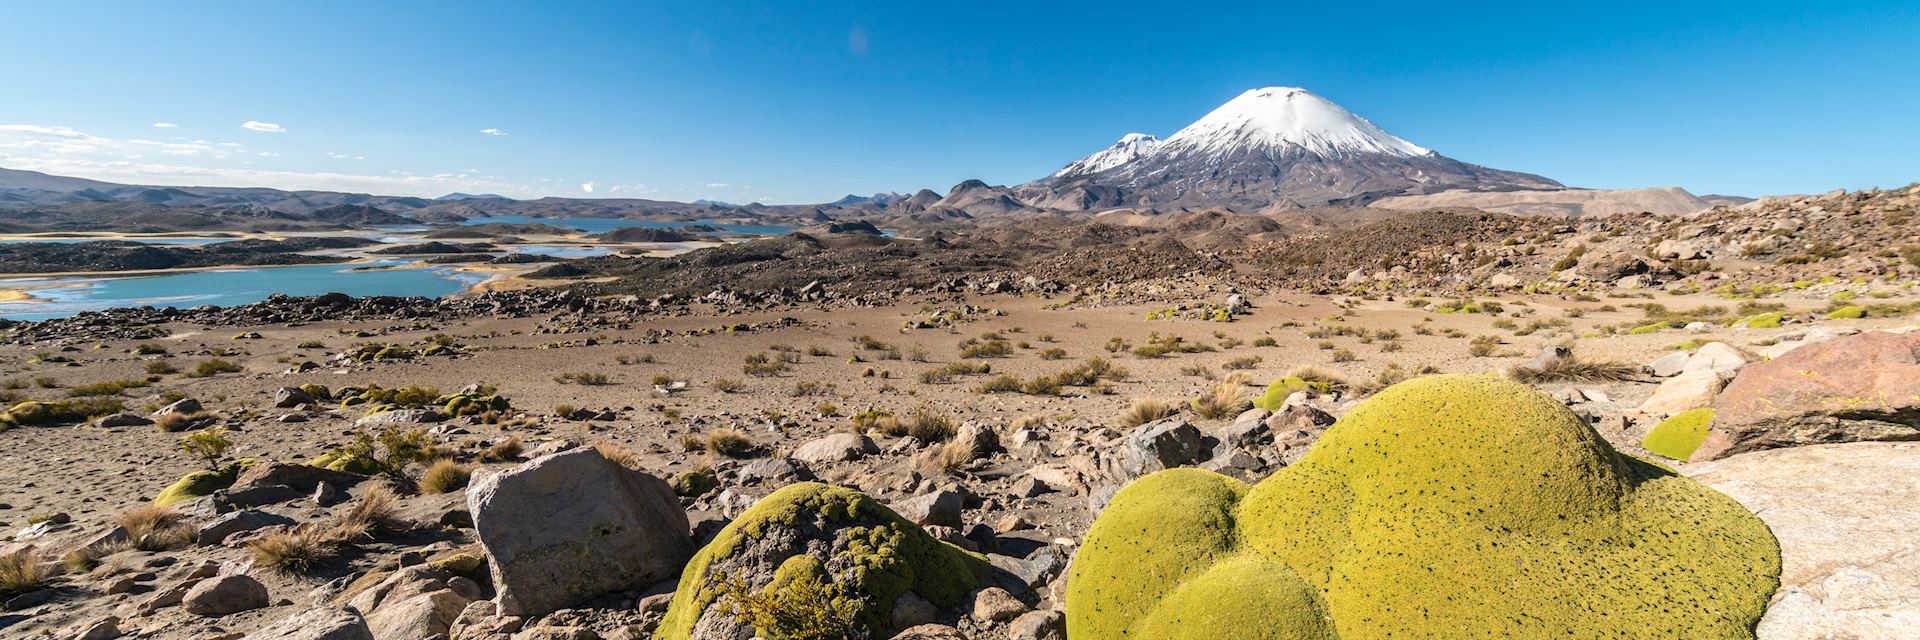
x: 228, y: 287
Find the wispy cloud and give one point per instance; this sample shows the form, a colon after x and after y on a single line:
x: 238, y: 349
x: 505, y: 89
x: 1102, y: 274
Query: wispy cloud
x: 268, y: 127
x: 165, y: 125
x: 70, y: 152
x: 493, y: 132
x: 717, y: 185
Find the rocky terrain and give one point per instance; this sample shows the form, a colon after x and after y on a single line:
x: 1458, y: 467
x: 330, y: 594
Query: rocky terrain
x: 840, y: 435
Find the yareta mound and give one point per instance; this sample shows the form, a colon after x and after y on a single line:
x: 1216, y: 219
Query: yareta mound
x: 1449, y: 506
x: 812, y: 556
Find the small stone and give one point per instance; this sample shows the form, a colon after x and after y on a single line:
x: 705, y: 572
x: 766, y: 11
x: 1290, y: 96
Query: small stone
x: 994, y: 604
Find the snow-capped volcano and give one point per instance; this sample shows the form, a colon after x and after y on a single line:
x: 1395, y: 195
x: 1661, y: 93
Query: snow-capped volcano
x: 1273, y: 145
x: 1276, y: 118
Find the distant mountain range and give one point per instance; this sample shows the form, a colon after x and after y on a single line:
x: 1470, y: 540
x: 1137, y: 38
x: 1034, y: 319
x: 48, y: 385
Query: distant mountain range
x: 1269, y: 149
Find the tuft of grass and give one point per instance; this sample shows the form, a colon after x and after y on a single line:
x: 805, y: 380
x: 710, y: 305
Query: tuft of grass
x: 623, y: 456
x: 503, y: 451
x: 444, y: 476
x: 155, y: 528
x: 927, y: 425
x: 297, y: 551
x: 373, y: 514
x: 1145, y: 410
x: 1223, y: 398
x: 1574, y: 369
x: 22, y: 571
x: 728, y: 385
x: 732, y: 443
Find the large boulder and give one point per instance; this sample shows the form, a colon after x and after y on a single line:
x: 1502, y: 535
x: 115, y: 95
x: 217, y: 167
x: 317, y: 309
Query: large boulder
x: 570, y: 526
x: 838, y: 447
x: 1845, y: 516
x: 819, y: 545
x: 1860, y: 387
x: 1443, y: 505
x: 1162, y: 444
x: 1690, y: 390
x: 301, y: 477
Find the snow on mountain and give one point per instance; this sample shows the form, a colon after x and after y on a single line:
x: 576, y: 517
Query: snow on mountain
x: 1267, y: 146
x: 1130, y: 147
x: 1280, y: 117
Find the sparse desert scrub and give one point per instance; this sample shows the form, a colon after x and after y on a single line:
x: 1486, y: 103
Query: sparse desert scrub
x: 209, y: 446
x: 108, y: 388
x: 945, y: 373
x: 213, y: 367
x: 584, y: 378
x: 625, y: 457
x: 1144, y: 410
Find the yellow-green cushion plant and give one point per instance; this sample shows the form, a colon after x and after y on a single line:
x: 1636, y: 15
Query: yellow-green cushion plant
x: 203, y: 483
x: 875, y: 556
x: 1448, y: 506
x: 1763, y: 321
x: 1278, y: 391
x: 1849, y: 312
x: 1678, y: 436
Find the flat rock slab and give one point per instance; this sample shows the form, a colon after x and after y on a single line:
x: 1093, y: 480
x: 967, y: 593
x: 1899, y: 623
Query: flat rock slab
x: 1845, y: 515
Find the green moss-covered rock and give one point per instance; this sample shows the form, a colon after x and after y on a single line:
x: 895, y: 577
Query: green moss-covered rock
x: 202, y: 483
x: 350, y: 462
x: 808, y: 532
x: 1677, y: 437
x: 1444, y: 507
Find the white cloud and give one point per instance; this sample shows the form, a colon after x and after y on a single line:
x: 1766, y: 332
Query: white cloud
x: 493, y: 132
x: 68, y: 152
x: 165, y: 125
x: 268, y: 127
x: 717, y: 185
x: 587, y: 187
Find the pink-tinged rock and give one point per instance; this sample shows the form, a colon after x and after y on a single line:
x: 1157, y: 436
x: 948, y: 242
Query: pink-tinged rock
x: 1860, y: 387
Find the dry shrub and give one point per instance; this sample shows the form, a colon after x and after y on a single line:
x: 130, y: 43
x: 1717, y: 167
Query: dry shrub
x: 445, y: 476
x: 177, y: 422
x: 155, y: 528
x: 22, y: 571
x: 1223, y: 398
x: 731, y: 443
x: 374, y: 513
x: 1574, y: 369
x: 618, y: 455
x: 296, y: 551
x: 1313, y: 374
x: 946, y: 458
x: 503, y: 451
x: 1145, y: 410
x: 926, y: 425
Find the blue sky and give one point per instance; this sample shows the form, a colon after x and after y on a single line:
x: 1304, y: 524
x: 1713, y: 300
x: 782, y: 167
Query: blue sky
x: 804, y: 102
